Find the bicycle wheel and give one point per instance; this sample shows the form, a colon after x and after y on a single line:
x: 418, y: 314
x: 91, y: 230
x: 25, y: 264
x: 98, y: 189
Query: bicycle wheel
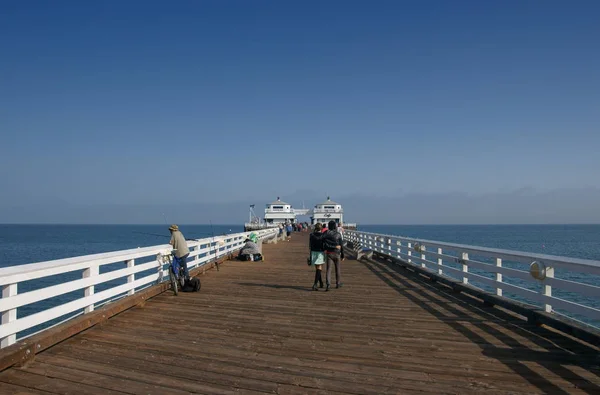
x: 173, y: 280
x: 181, y: 278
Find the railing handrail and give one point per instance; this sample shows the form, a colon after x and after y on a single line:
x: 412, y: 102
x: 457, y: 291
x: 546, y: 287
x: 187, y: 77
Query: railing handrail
x: 64, y: 262
x: 432, y: 258
x: 509, y: 254
x: 89, y: 266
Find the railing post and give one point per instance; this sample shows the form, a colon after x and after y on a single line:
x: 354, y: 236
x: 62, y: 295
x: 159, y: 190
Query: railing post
x: 89, y: 291
x: 548, y: 289
x: 498, y: 277
x: 465, y: 268
x: 160, y: 264
x: 423, y: 257
x: 131, y: 277
x: 9, y: 290
x: 440, y: 262
x: 409, y: 247
x: 399, y: 244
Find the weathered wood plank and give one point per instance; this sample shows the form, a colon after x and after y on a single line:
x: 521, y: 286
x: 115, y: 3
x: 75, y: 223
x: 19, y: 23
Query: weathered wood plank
x: 256, y: 327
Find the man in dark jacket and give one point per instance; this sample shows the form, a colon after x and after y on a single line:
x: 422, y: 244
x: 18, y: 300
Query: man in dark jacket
x: 332, y: 242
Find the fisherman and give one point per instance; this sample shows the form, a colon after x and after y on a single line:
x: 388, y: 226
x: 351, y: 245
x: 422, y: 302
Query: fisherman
x: 250, y: 250
x: 181, y: 249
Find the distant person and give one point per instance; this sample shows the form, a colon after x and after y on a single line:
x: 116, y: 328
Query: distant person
x: 289, y: 231
x: 181, y: 248
x: 334, y: 251
x: 317, y: 255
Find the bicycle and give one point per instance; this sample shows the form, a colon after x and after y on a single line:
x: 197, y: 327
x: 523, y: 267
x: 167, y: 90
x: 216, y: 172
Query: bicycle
x: 176, y: 273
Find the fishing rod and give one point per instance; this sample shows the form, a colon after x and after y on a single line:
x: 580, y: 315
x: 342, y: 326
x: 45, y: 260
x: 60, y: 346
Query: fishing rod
x: 216, y: 247
x: 159, y: 235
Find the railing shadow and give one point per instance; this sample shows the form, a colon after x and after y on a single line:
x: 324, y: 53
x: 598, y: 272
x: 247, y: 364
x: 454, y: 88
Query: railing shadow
x: 277, y: 286
x: 560, y: 349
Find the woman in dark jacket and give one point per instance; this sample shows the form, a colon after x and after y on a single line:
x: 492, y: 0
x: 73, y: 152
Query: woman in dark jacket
x: 317, y: 255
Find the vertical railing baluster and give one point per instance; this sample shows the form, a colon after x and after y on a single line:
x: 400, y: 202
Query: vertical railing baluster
x: 465, y: 268
x: 440, y: 262
x: 131, y: 277
x: 408, y: 248
x: 89, y: 290
x: 9, y: 290
x: 423, y: 257
x: 498, y: 277
x: 547, y: 289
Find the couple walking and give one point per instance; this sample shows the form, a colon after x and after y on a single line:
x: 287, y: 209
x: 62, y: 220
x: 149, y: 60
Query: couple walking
x: 326, y: 248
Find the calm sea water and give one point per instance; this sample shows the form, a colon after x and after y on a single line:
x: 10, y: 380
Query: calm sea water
x: 22, y: 244
x: 575, y: 241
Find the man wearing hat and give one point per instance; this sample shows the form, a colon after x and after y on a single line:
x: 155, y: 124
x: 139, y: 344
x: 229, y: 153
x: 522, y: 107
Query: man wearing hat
x: 181, y: 249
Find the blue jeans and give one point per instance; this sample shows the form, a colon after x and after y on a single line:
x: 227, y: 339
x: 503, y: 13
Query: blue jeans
x: 183, y: 262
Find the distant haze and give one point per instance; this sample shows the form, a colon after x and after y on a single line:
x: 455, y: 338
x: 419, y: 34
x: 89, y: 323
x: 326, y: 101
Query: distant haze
x: 518, y: 207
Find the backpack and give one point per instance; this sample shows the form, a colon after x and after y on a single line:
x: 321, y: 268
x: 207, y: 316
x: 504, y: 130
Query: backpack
x: 192, y: 285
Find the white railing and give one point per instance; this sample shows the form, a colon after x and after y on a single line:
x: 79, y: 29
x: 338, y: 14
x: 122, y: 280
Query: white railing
x: 327, y: 210
x: 544, y: 280
x: 142, y: 268
x: 263, y: 225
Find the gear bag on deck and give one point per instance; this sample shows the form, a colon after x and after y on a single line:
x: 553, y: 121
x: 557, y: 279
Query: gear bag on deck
x: 192, y: 285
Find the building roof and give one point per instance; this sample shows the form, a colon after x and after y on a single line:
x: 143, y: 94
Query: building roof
x: 328, y: 201
x: 278, y: 201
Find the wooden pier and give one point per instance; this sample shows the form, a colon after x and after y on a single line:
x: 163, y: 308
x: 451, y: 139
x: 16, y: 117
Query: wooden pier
x: 257, y: 327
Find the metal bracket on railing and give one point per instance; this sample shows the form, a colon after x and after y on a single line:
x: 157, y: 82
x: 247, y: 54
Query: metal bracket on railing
x: 537, y: 269
x: 418, y: 247
x: 160, y: 259
x: 460, y: 260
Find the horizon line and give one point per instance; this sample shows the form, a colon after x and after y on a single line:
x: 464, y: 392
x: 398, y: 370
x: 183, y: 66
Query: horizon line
x: 241, y: 225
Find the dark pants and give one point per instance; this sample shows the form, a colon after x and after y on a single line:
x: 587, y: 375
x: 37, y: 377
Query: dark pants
x: 183, y: 263
x: 334, y: 259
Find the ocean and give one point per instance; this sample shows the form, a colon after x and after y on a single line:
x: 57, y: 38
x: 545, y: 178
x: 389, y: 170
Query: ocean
x: 22, y: 244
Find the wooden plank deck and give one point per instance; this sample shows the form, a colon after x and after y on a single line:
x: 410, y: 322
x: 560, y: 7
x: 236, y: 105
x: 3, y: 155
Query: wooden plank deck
x: 257, y: 327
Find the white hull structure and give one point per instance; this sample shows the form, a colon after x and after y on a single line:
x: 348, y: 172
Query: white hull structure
x: 327, y: 211
x: 279, y: 212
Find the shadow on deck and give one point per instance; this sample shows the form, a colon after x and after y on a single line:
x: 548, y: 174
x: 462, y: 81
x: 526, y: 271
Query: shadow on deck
x: 258, y: 327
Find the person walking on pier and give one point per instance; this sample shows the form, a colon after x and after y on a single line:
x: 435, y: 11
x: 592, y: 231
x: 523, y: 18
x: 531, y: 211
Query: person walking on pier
x: 317, y: 255
x: 332, y: 242
x: 181, y: 249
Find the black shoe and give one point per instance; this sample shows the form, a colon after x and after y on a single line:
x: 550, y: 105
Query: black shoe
x: 327, y: 288
x: 314, y: 288
x: 320, y: 285
x: 339, y: 285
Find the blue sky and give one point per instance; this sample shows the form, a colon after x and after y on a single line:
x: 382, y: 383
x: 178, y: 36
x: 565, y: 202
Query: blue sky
x: 148, y: 103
